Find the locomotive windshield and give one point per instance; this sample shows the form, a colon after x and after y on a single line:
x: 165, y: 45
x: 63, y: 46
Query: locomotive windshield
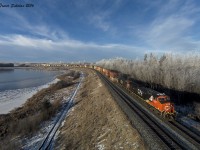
x: 164, y: 99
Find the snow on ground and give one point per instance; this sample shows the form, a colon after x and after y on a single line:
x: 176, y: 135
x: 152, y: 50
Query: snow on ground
x: 194, y: 125
x: 99, y: 84
x: 100, y: 147
x: 11, y: 99
x: 35, y: 141
x: 184, y: 111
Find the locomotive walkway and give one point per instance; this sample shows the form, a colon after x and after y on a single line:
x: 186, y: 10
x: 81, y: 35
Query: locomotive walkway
x: 157, y: 133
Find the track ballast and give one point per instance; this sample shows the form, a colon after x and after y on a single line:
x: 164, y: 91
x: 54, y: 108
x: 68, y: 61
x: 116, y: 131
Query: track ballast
x: 156, y: 133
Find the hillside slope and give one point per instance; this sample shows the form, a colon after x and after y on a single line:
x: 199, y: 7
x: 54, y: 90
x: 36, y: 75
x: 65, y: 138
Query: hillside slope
x: 96, y: 121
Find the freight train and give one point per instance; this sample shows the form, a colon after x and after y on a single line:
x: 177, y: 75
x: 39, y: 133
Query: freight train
x: 158, y: 101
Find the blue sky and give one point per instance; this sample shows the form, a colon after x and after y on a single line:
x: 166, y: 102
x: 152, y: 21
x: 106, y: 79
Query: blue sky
x: 91, y: 30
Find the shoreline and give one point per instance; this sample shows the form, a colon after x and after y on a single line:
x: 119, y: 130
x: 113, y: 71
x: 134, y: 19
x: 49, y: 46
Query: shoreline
x: 27, y: 119
x: 17, y: 97
x: 18, y: 78
x: 14, y: 98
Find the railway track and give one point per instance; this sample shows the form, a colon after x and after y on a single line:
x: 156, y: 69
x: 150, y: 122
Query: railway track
x: 158, y: 134
x: 194, y: 137
x: 47, y: 143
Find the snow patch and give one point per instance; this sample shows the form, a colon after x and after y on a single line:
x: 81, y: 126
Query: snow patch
x: 62, y: 124
x: 99, y: 84
x: 11, y: 99
x: 135, y: 145
x: 100, y: 147
x: 190, y: 123
x: 184, y: 109
x: 36, y: 140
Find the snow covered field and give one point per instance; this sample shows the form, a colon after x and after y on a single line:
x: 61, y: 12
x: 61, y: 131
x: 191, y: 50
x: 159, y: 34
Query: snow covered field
x: 11, y: 99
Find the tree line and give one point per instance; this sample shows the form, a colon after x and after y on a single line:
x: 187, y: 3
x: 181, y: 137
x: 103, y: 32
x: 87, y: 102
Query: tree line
x: 176, y: 72
x: 6, y: 65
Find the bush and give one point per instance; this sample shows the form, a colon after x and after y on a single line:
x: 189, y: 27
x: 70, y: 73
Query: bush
x: 31, y: 123
x: 28, y: 118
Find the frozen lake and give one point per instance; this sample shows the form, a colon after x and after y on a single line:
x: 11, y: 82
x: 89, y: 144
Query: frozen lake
x: 17, y: 85
x: 24, y: 78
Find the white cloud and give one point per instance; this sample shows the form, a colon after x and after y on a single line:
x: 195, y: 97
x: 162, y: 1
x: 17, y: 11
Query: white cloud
x: 171, y: 29
x: 100, y: 18
x: 36, y: 27
x: 25, y: 41
x: 45, y: 41
x: 67, y: 48
x: 99, y: 21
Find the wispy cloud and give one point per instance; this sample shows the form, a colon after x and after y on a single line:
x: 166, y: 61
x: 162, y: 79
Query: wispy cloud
x: 29, y: 42
x: 19, y: 22
x: 97, y: 29
x: 100, y: 17
x: 23, y: 41
x: 65, y: 48
x: 99, y: 21
x: 50, y: 42
x: 168, y: 33
x: 171, y: 29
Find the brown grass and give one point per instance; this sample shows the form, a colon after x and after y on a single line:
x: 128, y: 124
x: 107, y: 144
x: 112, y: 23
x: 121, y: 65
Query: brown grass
x: 27, y: 119
x: 97, y: 121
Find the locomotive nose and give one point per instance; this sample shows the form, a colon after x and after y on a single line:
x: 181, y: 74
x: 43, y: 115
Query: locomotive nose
x: 167, y: 107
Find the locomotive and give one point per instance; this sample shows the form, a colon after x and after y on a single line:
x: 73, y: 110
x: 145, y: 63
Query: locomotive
x: 159, y: 101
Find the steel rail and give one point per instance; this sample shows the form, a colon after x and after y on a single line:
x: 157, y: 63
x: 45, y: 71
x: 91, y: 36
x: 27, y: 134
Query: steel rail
x: 184, y: 130
x: 46, y: 144
x: 172, y: 139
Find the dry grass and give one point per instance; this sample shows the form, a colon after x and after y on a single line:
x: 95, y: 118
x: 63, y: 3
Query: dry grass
x: 70, y: 75
x: 27, y: 119
x: 32, y: 123
x: 8, y: 144
x: 97, y: 122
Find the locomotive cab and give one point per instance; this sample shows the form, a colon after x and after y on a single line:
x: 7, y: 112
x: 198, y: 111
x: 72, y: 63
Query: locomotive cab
x: 163, y: 99
x: 163, y: 104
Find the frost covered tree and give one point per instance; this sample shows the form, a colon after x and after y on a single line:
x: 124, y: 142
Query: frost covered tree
x: 171, y: 71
